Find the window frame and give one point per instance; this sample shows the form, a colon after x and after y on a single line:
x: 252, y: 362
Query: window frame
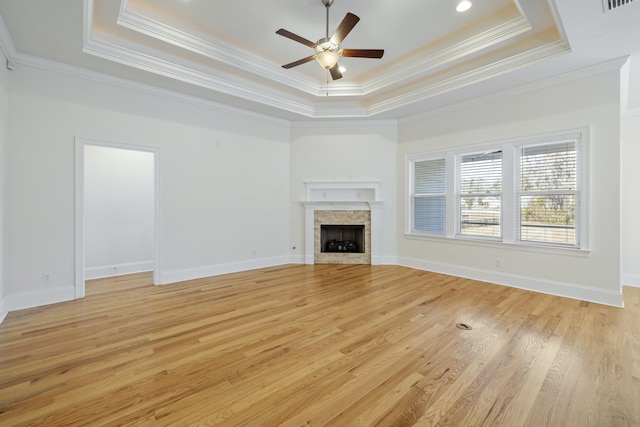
x: 577, y: 193
x: 413, y: 195
x: 459, y: 194
x: 510, y: 208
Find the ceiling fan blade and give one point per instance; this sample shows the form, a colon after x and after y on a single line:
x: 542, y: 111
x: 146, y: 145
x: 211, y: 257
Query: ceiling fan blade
x: 299, y: 62
x: 345, y: 27
x: 363, y: 53
x: 335, y: 72
x: 295, y: 37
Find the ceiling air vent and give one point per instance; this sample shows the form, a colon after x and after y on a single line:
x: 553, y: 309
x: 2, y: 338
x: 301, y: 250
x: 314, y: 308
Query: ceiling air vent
x: 614, y: 4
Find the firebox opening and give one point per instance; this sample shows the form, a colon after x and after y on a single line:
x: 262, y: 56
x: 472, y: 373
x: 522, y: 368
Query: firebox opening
x: 342, y: 238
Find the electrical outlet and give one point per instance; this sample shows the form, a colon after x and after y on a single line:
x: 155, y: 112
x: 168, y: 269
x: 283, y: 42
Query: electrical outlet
x: 46, y: 277
x: 498, y: 263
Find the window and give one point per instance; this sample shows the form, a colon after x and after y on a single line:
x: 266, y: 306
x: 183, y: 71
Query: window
x: 429, y: 196
x: 480, y: 194
x: 521, y: 192
x: 548, y: 196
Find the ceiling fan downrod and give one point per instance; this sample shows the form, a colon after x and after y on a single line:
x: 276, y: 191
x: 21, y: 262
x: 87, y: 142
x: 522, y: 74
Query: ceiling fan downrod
x: 327, y: 4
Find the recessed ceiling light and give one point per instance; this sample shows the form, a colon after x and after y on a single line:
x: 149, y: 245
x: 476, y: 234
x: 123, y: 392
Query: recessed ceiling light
x: 342, y: 69
x: 463, y: 6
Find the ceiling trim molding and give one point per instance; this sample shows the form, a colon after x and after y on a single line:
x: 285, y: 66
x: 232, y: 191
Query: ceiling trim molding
x: 333, y: 124
x: 519, y: 90
x: 6, y: 41
x: 217, y: 51
x: 102, y: 78
x: 225, y: 53
x: 241, y: 89
x: 335, y: 112
x: 475, y: 76
x: 444, y: 56
x: 148, y: 59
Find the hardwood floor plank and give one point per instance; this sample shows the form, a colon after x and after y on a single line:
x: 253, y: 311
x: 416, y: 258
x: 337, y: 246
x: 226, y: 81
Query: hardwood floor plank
x: 320, y: 345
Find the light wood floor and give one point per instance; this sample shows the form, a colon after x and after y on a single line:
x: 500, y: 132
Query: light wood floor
x: 321, y: 345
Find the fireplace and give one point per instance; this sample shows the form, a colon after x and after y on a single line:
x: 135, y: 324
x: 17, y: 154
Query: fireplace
x: 342, y: 226
x: 342, y: 223
x: 342, y: 238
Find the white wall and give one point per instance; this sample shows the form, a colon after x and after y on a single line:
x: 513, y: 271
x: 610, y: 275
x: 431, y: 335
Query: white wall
x: 344, y: 151
x: 4, y: 121
x: 119, y: 211
x: 231, y: 185
x: 630, y: 135
x: 592, y: 101
x: 224, y: 181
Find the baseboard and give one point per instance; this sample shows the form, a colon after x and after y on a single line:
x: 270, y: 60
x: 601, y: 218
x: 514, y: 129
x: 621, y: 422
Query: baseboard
x: 296, y: 259
x: 632, y: 280
x: 3, y: 310
x: 561, y: 289
x: 117, y: 270
x: 376, y: 260
x: 38, y: 298
x: 384, y: 260
x: 218, y: 269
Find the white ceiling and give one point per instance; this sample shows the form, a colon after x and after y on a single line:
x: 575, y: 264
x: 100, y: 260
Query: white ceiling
x: 229, y: 53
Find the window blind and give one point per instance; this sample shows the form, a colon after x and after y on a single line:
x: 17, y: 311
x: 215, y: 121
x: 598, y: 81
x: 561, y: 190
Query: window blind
x: 549, y: 193
x: 429, y: 198
x: 480, y: 194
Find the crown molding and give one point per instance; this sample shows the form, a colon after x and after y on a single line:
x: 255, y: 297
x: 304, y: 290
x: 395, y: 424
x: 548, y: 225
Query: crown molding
x: 235, y: 86
x: 230, y: 84
x: 477, y: 75
x: 219, y: 51
x: 223, y: 83
x: 604, y: 67
x: 6, y: 41
x: 442, y: 57
x: 333, y: 124
x: 102, y: 78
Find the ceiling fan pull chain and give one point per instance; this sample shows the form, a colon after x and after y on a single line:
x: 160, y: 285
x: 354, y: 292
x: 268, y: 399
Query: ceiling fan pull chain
x: 327, y: 82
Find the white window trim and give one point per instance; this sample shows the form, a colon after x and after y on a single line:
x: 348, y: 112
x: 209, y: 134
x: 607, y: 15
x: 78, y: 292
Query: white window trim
x: 410, y: 185
x: 458, y: 195
x: 510, y: 181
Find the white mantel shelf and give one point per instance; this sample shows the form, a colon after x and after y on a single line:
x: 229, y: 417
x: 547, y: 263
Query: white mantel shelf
x: 343, y: 204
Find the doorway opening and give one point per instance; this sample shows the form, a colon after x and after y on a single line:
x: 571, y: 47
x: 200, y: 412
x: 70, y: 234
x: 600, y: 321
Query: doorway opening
x: 116, y: 211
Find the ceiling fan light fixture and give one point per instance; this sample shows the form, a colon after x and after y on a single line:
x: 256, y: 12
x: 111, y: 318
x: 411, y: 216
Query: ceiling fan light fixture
x: 327, y: 58
x: 463, y: 6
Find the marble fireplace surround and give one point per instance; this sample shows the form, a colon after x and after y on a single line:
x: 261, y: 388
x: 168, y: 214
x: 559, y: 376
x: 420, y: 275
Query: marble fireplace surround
x: 347, y: 197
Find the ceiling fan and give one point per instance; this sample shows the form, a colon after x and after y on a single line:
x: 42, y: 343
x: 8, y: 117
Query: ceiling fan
x: 327, y: 49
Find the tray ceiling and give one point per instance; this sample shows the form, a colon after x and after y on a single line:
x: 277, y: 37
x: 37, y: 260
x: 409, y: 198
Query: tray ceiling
x: 228, y: 52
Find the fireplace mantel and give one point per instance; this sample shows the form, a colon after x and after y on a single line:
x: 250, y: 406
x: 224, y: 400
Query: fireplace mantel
x: 342, y: 205
x: 336, y: 191
x: 342, y: 196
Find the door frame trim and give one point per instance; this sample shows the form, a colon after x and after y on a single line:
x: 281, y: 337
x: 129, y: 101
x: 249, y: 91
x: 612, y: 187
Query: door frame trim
x: 80, y: 144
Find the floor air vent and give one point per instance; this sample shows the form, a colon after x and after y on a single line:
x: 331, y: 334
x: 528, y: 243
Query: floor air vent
x: 614, y: 4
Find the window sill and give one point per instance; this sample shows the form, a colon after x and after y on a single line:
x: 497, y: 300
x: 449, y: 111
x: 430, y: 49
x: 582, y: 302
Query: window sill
x: 552, y: 250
